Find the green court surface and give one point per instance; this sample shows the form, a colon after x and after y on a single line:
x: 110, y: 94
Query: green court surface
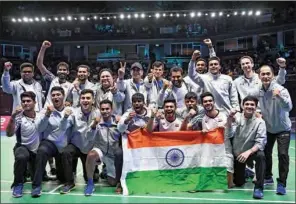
x: 105, y: 194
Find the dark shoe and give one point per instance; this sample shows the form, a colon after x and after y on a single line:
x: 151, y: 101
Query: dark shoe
x: 18, y: 190
x: 281, y: 189
x: 36, y: 192
x: 67, y: 188
x: 258, y: 193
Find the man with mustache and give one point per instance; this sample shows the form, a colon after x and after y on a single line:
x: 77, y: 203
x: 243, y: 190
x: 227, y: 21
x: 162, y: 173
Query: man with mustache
x: 26, y: 83
x: 107, y: 90
x: 104, y: 134
x: 62, y: 73
x: 79, y: 146
x: 55, y: 137
x: 177, y: 88
x: 192, y: 114
x: 213, y: 119
x: 80, y: 83
x: 28, y: 138
x: 170, y: 121
x: 249, y: 139
x: 275, y: 103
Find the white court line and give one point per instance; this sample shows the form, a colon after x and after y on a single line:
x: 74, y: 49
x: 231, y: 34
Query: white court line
x: 292, y: 147
x: 77, y: 184
x: 56, y: 188
x: 166, y: 197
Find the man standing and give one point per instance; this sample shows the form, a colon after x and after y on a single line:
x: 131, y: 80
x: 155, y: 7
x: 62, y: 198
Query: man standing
x: 26, y: 83
x: 249, y: 139
x: 62, y: 73
x: 104, y: 134
x: 275, y: 103
x: 28, y: 138
x: 54, y: 137
x: 218, y: 84
x: 134, y: 85
x: 107, y: 90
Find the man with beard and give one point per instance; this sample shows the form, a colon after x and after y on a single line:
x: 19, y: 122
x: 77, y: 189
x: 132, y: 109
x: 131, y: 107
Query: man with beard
x: 79, y: 145
x: 21, y: 124
x: 104, y: 134
x: 107, y: 90
x: 80, y: 83
x: 249, y: 139
x: 177, y: 88
x: 170, y: 122
x: 62, y: 73
x: 249, y: 83
x: 216, y: 119
x: 54, y: 137
x: 220, y: 85
x: 26, y: 83
x: 275, y: 103
x: 155, y: 80
x: 192, y: 114
x: 134, y: 85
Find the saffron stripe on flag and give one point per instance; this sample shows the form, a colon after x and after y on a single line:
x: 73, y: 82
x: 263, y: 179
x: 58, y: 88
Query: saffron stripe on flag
x: 165, y: 139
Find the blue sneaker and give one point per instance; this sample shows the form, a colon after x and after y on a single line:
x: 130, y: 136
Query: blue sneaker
x: 89, y: 189
x: 67, y: 188
x: 268, y: 181
x: 281, y: 189
x: 249, y: 173
x: 258, y: 193
x: 18, y: 190
x: 36, y: 192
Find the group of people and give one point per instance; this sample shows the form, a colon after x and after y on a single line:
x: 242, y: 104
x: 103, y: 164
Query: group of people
x: 86, y: 121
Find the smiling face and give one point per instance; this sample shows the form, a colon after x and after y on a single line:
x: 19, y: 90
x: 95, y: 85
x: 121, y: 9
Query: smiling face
x: 57, y: 99
x: 266, y: 75
x: 176, y: 78
x: 158, y: 71
x: 249, y: 107
x: 200, y: 67
x: 190, y: 103
x: 106, y: 110
x: 28, y: 104
x: 208, y: 103
x: 136, y: 73
x: 214, y: 67
x: 82, y: 73
x: 106, y: 79
x: 246, y: 65
x: 138, y: 105
x: 86, y: 102
x: 169, y: 110
x: 62, y: 72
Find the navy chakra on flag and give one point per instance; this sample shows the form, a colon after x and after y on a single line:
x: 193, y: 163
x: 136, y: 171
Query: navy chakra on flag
x: 174, y: 157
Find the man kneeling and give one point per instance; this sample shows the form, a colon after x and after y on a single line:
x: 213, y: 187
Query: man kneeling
x: 104, y: 133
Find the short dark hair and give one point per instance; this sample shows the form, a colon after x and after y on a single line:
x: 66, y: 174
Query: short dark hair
x: 190, y: 95
x: 176, y: 69
x: 205, y: 94
x: 29, y: 94
x: 158, y: 64
x: 85, y: 91
x: 214, y: 58
x: 83, y: 66
x: 63, y: 64
x: 250, y: 98
x: 201, y: 59
x: 170, y: 100
x: 105, y: 70
x: 57, y: 88
x: 106, y: 101
x: 26, y: 64
x: 265, y: 65
x: 138, y: 96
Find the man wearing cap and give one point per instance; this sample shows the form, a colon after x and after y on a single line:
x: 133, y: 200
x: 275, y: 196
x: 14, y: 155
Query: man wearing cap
x: 134, y: 85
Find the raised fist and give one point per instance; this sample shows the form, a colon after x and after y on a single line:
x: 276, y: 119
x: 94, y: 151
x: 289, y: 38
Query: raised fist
x: 195, y: 55
x: 7, y: 66
x: 281, y: 62
x: 46, y: 44
x: 192, y: 112
x: 150, y: 76
x: 208, y: 42
x: 49, y: 110
x: 67, y: 112
x: 276, y: 92
x: 17, y: 111
x: 113, y: 89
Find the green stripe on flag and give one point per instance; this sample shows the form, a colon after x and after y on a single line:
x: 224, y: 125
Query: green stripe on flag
x: 177, y: 180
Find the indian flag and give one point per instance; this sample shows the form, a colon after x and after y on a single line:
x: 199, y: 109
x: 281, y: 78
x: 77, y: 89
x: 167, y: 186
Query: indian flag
x: 173, y: 161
